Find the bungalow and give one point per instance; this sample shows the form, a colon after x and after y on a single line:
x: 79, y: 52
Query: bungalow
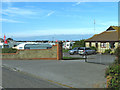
x: 108, y: 39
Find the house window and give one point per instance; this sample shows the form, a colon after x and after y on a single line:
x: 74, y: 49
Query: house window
x: 103, y: 45
x: 112, y: 44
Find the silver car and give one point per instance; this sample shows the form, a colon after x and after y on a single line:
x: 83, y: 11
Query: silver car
x: 86, y: 50
x: 74, y: 51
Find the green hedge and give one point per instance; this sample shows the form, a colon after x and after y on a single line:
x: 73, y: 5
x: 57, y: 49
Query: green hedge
x: 107, y: 51
x: 9, y: 50
x: 114, y: 71
x: 80, y: 43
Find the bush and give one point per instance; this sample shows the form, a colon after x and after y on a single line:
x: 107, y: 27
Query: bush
x: 9, y: 50
x: 80, y: 43
x: 117, y: 53
x: 107, y: 51
x: 114, y: 71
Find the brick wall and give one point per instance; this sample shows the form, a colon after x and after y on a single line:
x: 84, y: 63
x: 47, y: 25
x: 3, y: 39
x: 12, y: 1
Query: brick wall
x: 55, y: 53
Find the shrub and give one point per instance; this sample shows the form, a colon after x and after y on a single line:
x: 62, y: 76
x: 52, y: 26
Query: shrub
x: 80, y: 43
x: 117, y: 53
x: 114, y: 71
x: 107, y: 51
x: 9, y: 50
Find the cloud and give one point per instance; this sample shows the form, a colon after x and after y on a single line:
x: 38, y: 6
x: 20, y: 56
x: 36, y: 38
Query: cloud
x: 13, y: 11
x: 50, y: 13
x: 10, y: 20
x: 110, y: 23
x: 76, y: 4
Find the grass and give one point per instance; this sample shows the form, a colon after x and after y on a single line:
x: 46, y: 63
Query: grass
x: 72, y: 58
x: 65, y: 50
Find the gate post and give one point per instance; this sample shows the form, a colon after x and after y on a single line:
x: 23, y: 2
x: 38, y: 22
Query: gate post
x: 59, y: 51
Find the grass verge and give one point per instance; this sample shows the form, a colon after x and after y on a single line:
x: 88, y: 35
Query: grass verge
x: 65, y: 50
x: 72, y: 58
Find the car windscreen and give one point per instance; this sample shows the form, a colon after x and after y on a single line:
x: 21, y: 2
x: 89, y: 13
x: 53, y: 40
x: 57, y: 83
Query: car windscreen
x: 81, y: 49
x: 75, y: 48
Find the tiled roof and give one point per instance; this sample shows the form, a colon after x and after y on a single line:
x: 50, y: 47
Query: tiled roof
x: 108, y: 35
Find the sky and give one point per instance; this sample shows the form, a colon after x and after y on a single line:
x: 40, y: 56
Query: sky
x: 36, y: 19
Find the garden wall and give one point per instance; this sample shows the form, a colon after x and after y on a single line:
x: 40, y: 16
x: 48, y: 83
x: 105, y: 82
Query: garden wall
x: 54, y: 53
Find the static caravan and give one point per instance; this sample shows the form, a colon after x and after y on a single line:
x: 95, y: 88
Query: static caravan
x: 68, y: 45
x: 33, y: 46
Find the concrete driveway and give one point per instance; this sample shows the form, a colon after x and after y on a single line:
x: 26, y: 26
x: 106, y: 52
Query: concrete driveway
x: 96, y: 58
x: 72, y: 73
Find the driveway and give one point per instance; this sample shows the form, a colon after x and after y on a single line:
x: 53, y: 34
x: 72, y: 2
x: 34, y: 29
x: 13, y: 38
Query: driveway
x: 72, y: 73
x: 96, y: 58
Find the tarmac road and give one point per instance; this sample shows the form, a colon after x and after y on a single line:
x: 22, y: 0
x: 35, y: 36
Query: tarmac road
x: 15, y: 79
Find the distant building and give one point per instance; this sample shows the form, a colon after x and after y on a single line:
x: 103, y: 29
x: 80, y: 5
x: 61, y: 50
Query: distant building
x: 108, y: 39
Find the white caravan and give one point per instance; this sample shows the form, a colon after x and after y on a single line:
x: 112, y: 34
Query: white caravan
x: 33, y: 45
x: 68, y: 45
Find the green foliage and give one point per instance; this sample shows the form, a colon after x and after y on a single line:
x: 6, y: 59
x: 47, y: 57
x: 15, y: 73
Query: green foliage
x: 72, y: 58
x: 117, y: 52
x: 114, y: 71
x: 107, y: 51
x: 93, y: 48
x: 80, y: 43
x: 64, y: 50
x: 9, y: 50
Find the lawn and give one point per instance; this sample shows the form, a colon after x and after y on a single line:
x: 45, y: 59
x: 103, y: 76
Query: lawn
x: 64, y: 50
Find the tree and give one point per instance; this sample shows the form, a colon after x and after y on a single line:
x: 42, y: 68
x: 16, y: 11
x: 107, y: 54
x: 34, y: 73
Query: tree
x: 80, y: 43
x: 9, y: 39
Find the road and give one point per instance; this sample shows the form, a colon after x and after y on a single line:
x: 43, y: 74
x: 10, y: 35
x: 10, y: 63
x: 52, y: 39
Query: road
x: 15, y: 79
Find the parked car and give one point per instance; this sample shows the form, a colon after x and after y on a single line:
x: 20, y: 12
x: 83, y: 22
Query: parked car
x: 86, y: 50
x: 74, y: 51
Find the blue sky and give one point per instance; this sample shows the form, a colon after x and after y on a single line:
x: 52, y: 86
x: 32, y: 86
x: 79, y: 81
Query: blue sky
x: 28, y: 19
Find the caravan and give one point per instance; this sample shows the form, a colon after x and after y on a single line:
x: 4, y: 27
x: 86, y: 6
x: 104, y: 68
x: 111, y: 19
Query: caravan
x: 68, y: 45
x: 33, y: 45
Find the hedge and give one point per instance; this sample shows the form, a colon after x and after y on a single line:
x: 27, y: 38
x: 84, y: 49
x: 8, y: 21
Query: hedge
x: 113, y: 71
x: 9, y: 50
